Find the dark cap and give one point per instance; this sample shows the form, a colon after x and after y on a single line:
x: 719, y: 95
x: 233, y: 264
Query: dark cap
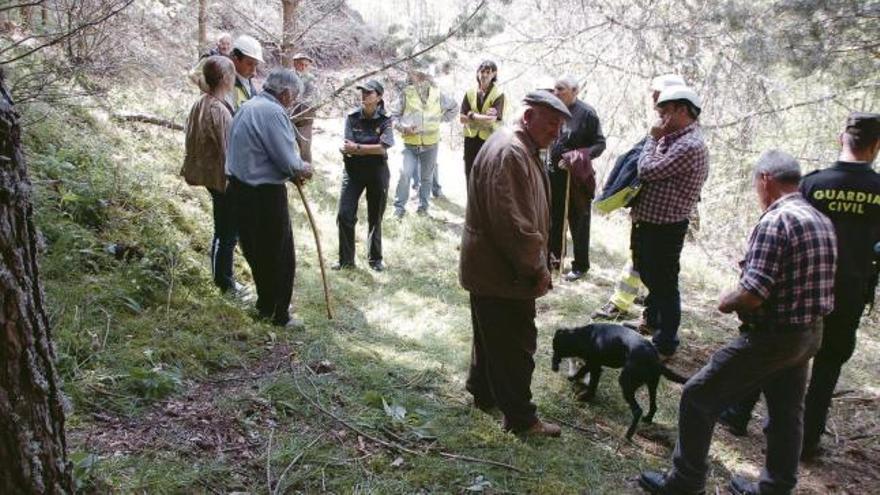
x: 372, y: 85
x: 864, y: 125
x: 487, y: 64
x: 547, y: 99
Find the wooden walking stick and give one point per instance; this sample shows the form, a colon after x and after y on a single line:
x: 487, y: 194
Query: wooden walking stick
x: 564, y: 222
x: 320, y: 253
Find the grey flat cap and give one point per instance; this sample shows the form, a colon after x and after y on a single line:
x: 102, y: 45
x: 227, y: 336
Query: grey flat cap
x: 547, y: 99
x: 303, y: 56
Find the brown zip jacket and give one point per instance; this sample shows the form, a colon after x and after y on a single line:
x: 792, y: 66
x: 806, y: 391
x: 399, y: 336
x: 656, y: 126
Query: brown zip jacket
x: 207, y: 132
x: 504, y: 245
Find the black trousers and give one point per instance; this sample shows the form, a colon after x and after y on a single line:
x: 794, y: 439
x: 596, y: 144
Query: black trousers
x: 578, y: 220
x: 656, y: 255
x: 373, y: 177
x: 501, y: 368
x: 267, y: 243
x: 838, y: 345
x: 472, y: 146
x: 224, y: 241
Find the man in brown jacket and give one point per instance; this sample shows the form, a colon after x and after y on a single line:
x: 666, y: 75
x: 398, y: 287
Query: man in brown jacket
x: 504, y: 262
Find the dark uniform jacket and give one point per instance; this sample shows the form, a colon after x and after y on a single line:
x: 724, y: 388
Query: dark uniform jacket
x: 582, y: 132
x: 375, y: 130
x: 849, y: 194
x: 507, y: 222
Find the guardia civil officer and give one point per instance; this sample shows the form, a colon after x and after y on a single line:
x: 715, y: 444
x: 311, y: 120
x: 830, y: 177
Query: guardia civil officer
x: 368, y: 134
x: 847, y: 192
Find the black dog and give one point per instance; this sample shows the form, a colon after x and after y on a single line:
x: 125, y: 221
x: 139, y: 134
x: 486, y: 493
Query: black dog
x: 614, y: 346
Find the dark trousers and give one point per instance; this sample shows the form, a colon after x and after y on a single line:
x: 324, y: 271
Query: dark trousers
x: 224, y: 241
x: 472, y: 146
x: 501, y: 368
x: 774, y: 362
x: 357, y: 177
x: 656, y: 254
x: 267, y: 243
x: 578, y: 220
x: 838, y: 345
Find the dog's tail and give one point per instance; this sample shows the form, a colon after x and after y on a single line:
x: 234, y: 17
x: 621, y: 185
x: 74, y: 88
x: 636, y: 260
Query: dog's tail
x: 672, y: 375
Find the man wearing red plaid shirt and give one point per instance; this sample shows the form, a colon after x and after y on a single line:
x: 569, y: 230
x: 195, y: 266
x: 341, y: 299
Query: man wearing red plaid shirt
x: 672, y: 169
x: 785, y: 289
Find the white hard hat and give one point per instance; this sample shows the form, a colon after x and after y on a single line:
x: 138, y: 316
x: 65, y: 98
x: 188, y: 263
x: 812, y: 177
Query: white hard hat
x: 673, y: 93
x: 248, y: 46
x: 660, y: 83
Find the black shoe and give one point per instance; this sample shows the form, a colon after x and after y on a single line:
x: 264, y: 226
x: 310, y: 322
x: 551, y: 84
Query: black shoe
x: 342, y: 266
x: 732, y: 424
x: 422, y: 213
x: 377, y: 266
x: 741, y: 486
x: 655, y: 482
x: 398, y: 214
x: 574, y: 275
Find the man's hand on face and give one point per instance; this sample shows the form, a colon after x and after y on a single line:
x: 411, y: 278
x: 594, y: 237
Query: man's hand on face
x: 660, y: 128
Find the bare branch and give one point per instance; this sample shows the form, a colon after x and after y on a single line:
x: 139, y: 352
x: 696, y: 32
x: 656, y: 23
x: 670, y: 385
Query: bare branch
x: 70, y: 33
x: 20, y: 5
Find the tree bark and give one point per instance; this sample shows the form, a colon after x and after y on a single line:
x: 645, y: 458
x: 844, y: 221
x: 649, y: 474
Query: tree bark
x: 33, y: 457
x: 203, y: 26
x: 288, y: 28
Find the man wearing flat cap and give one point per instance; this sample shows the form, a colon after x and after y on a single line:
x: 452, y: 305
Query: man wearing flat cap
x: 504, y: 262
x: 304, y: 111
x: 672, y: 168
x: 848, y: 193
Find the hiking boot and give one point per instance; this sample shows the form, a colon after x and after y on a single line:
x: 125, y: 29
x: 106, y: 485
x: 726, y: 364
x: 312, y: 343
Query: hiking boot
x: 377, y: 266
x: 342, y: 266
x: 398, y: 214
x: 294, y: 324
x: 733, y: 424
x: 543, y: 429
x: 741, y: 486
x: 609, y: 312
x: 422, y: 213
x: 574, y: 275
x: 810, y: 453
x: 656, y: 483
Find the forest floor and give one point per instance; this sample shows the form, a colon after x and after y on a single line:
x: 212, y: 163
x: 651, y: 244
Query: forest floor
x: 174, y: 389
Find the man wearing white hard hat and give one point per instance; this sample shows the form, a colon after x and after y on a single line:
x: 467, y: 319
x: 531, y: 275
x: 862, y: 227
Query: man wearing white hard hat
x: 247, y: 54
x: 623, y: 174
x: 672, y: 169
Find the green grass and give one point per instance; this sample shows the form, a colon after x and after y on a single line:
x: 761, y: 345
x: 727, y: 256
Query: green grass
x: 135, y: 335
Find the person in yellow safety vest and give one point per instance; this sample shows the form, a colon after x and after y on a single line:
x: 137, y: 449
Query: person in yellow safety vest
x: 247, y: 54
x: 420, y: 109
x: 482, y: 111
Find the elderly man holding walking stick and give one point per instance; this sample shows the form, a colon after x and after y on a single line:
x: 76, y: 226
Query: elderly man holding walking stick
x: 262, y: 157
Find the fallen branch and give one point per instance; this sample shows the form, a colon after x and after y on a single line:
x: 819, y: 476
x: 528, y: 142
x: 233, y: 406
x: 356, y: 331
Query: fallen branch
x: 313, y: 402
x: 480, y: 461
x: 148, y: 119
x: 294, y: 461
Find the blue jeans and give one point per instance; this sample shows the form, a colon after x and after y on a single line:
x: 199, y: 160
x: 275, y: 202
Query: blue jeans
x: 436, y: 190
x: 423, y: 159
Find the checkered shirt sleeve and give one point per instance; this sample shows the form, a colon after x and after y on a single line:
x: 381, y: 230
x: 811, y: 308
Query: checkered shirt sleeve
x: 790, y: 263
x: 672, y: 171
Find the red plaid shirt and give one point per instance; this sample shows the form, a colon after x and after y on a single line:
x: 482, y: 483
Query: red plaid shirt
x: 672, y: 171
x: 790, y: 263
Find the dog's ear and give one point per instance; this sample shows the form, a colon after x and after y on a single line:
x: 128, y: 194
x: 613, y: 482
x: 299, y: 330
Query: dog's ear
x: 554, y: 362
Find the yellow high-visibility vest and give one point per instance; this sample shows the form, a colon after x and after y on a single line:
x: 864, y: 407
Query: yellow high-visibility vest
x: 482, y: 131
x: 239, y: 95
x: 425, y: 116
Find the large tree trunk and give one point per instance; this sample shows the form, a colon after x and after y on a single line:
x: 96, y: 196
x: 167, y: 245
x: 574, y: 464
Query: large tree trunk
x: 203, y: 26
x: 288, y: 28
x: 33, y: 456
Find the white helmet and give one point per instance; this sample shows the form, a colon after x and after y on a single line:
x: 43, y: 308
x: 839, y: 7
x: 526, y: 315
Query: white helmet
x: 673, y: 93
x: 249, y: 47
x: 660, y: 83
